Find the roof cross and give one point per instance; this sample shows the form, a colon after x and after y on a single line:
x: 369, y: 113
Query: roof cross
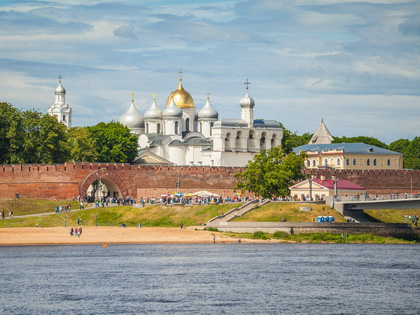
x: 208, y: 95
x: 59, y: 78
x: 154, y: 96
x: 247, y: 83
x: 132, y: 97
x: 180, y: 73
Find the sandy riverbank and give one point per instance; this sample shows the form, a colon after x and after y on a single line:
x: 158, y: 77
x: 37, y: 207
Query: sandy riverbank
x: 110, y: 235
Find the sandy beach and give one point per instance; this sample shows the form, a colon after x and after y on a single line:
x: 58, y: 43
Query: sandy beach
x: 111, y: 235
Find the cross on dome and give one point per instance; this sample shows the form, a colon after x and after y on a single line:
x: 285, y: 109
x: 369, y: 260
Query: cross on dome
x: 180, y: 73
x: 59, y: 78
x: 132, y: 97
x: 154, y: 96
x: 247, y: 83
x: 208, y: 95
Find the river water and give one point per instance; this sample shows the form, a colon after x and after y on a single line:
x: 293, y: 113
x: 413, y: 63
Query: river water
x: 211, y: 279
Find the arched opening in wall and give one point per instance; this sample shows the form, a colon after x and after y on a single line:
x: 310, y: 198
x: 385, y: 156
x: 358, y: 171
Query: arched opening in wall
x: 228, y: 138
x: 251, y: 146
x: 263, y: 142
x: 275, y: 141
x: 104, y: 183
x: 103, y: 188
x: 201, y: 127
x: 238, y: 141
x: 176, y: 127
x: 158, y: 128
x: 313, y: 163
x: 187, y: 124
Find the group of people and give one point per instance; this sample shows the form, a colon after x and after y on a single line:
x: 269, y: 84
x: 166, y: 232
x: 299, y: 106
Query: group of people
x: 76, y: 231
x: 65, y: 208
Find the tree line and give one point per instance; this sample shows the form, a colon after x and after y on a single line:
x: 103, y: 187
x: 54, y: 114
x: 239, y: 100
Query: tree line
x: 31, y: 137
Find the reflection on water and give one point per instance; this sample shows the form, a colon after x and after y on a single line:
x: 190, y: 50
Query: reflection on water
x: 211, y: 279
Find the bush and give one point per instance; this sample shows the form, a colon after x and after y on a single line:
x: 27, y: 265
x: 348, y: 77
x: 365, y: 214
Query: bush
x: 281, y: 234
x: 258, y: 234
x: 212, y: 229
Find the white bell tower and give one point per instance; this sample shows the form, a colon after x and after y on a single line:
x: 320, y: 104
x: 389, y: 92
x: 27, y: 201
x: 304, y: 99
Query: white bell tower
x: 60, y: 109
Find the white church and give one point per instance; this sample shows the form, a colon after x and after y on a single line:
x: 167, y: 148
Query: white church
x: 179, y: 135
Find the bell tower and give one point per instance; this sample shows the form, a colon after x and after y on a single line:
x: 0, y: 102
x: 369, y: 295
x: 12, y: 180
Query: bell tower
x: 60, y: 109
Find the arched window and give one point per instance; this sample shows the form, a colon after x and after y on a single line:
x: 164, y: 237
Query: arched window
x: 308, y: 163
x: 147, y: 128
x: 228, y: 146
x: 338, y: 161
x: 187, y: 124
x: 313, y: 163
x: 211, y: 126
x: 354, y: 162
x: 201, y: 127
x: 368, y: 162
x: 176, y: 127
x: 389, y: 162
x: 326, y: 162
x: 374, y: 162
x: 347, y: 161
x: 158, y: 128
x: 64, y: 117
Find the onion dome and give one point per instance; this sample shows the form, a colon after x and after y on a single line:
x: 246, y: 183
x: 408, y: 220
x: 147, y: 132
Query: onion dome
x: 172, y: 111
x: 208, y: 111
x: 153, y: 112
x: 59, y: 89
x: 132, y: 118
x: 247, y: 101
x: 182, y: 98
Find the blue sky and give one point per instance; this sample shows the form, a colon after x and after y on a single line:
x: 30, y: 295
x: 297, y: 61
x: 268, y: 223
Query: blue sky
x: 354, y: 63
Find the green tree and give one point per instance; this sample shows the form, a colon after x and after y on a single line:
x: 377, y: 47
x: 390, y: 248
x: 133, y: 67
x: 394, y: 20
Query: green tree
x: 292, y: 140
x: 361, y: 139
x: 114, y: 142
x: 81, y: 145
x: 399, y: 145
x: 412, y: 154
x: 271, y: 173
x: 9, y: 120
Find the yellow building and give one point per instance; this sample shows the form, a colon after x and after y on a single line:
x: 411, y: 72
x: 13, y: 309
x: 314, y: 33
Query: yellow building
x: 347, y: 156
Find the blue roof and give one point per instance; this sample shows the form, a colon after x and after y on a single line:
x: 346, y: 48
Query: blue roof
x: 362, y: 148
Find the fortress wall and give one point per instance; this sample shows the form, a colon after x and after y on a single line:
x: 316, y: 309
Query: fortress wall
x: 62, y: 181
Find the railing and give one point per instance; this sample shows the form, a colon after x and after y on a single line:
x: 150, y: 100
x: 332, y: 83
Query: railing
x: 398, y: 196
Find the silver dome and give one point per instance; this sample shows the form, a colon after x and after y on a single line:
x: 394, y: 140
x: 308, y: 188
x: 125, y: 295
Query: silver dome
x: 247, y: 101
x: 59, y: 89
x: 153, y: 112
x: 172, y: 111
x: 208, y: 112
x: 132, y: 118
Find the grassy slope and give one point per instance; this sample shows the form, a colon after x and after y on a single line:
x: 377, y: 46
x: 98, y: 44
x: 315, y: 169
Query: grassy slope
x: 23, y: 206
x: 276, y: 212
x: 156, y: 215
x: 392, y: 215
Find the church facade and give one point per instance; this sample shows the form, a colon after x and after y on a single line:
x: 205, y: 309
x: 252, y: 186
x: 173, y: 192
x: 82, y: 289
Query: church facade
x: 178, y: 134
x: 60, y: 109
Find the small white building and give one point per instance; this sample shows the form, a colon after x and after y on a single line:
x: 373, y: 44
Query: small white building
x: 179, y: 135
x: 60, y: 109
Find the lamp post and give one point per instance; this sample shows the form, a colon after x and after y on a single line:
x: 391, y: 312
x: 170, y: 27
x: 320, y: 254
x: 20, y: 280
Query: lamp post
x: 335, y: 188
x: 310, y: 189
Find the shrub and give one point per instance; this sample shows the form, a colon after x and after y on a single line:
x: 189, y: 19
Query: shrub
x: 281, y: 234
x: 258, y: 234
x: 212, y: 229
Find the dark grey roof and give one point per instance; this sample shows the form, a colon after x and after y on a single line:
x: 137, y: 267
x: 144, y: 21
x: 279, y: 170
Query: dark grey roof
x: 195, y: 141
x: 230, y: 123
x: 347, y: 147
x: 262, y: 123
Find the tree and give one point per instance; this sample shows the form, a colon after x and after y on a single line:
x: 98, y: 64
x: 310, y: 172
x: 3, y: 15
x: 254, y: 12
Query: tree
x: 399, y: 145
x: 361, y: 139
x: 81, y: 145
x: 292, y: 140
x: 412, y: 154
x: 271, y: 173
x: 114, y: 142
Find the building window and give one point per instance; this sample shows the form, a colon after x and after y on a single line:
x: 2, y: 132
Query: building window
x: 308, y: 163
x: 187, y: 124
x: 374, y: 162
x: 326, y: 162
x: 354, y: 162
x: 389, y: 162
x: 64, y: 117
x: 338, y: 161
x: 211, y: 126
x: 147, y: 128
x: 176, y: 127
x: 368, y: 162
x: 158, y: 128
x: 313, y: 163
x: 347, y: 161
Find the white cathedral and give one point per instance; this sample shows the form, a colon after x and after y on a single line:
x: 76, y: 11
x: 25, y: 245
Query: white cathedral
x: 179, y: 135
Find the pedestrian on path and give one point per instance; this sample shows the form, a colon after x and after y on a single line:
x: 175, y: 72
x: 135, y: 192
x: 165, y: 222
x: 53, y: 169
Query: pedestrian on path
x: 214, y: 238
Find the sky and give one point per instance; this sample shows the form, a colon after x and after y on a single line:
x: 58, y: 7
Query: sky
x: 355, y: 64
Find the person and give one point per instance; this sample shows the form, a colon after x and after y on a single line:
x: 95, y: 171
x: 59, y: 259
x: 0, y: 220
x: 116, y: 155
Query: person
x: 239, y: 240
x: 182, y: 225
x: 71, y: 232
x: 291, y: 231
x: 214, y: 238
x: 80, y: 231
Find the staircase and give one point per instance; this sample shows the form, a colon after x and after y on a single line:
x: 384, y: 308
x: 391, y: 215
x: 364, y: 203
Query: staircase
x: 237, y: 212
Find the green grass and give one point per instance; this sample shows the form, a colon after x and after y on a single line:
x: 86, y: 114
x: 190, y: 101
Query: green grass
x: 156, y: 215
x: 276, y: 212
x: 324, y: 238
x: 24, y: 206
x: 391, y: 215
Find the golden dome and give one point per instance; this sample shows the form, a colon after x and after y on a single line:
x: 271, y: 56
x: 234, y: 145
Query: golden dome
x: 181, y: 98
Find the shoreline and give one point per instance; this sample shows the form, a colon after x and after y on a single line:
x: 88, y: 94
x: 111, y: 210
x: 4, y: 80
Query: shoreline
x: 91, y: 235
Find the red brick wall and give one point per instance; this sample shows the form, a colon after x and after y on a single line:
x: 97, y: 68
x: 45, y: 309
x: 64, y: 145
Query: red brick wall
x: 62, y: 181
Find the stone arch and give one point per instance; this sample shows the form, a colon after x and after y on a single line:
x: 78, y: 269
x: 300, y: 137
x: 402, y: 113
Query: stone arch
x: 108, y: 177
x: 263, y: 141
x: 238, y: 141
x: 251, y: 142
x: 228, y: 142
